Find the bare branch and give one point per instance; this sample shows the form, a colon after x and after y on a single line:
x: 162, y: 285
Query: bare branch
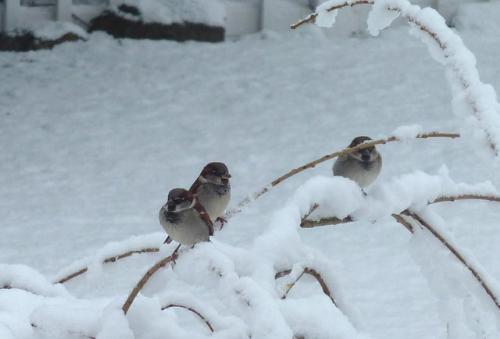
x: 467, y: 197
x: 230, y: 213
x: 106, y: 261
x: 141, y: 283
x: 306, y: 223
x: 193, y: 311
x: 312, y: 272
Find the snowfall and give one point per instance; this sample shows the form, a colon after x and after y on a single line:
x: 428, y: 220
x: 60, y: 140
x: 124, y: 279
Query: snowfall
x: 94, y: 134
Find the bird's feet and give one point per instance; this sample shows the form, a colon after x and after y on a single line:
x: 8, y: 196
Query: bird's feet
x: 174, y: 256
x: 220, y: 221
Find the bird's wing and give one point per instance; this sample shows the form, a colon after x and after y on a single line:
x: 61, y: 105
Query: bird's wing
x: 195, y: 185
x: 204, y: 216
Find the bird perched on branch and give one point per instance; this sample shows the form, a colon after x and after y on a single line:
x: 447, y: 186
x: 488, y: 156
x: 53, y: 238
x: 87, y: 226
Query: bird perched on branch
x: 213, y: 190
x: 362, y: 166
x: 184, y: 218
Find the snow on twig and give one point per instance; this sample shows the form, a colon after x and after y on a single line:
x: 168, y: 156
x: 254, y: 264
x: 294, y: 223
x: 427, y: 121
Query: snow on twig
x: 27, y: 279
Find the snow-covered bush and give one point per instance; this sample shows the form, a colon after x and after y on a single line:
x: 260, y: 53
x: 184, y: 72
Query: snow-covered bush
x: 41, y: 35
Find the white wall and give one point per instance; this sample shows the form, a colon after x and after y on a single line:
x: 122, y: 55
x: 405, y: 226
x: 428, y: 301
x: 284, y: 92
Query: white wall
x: 242, y: 17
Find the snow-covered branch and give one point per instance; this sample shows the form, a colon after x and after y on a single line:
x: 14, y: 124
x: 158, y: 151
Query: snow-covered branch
x: 325, y: 221
x: 108, y: 260
x: 468, y: 90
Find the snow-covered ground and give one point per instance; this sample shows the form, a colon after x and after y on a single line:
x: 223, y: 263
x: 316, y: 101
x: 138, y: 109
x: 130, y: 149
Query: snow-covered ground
x: 94, y: 134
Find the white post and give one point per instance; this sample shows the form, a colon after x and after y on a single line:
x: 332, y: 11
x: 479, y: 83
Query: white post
x: 10, y: 14
x: 63, y: 10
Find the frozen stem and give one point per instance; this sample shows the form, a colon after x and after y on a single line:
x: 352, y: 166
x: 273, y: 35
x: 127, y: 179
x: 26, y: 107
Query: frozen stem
x: 141, y: 283
x: 312, y: 272
x: 193, y: 311
x: 467, y: 197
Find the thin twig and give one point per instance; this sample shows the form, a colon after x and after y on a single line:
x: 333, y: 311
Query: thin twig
x: 106, y: 261
x: 306, y: 223
x: 313, y: 208
x: 457, y: 255
x: 312, y: 272
x: 230, y: 213
x: 467, y: 197
x: 141, y: 283
x: 192, y: 310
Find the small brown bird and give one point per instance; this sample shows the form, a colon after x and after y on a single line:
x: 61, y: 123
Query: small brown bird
x: 362, y: 166
x: 184, y: 218
x: 213, y: 190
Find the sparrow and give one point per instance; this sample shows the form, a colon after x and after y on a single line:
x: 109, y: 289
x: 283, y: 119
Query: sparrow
x: 362, y: 166
x: 184, y: 218
x: 213, y: 190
